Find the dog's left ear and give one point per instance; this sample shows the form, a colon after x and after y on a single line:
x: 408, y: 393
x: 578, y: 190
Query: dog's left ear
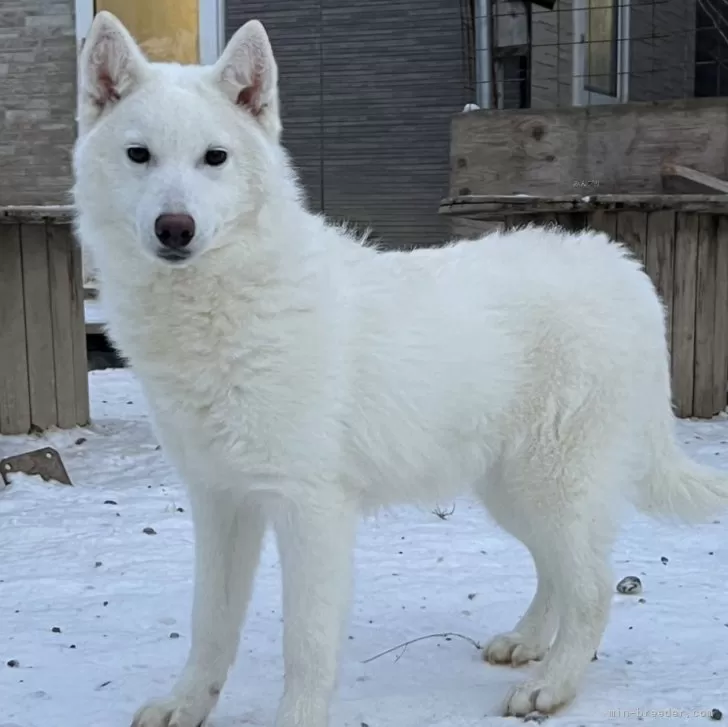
x: 248, y: 74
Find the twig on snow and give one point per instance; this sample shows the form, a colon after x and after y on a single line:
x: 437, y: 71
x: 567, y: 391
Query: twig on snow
x: 443, y: 514
x: 404, y: 645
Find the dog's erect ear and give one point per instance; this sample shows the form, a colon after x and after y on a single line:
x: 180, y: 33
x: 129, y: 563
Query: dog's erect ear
x: 111, y: 64
x: 248, y: 73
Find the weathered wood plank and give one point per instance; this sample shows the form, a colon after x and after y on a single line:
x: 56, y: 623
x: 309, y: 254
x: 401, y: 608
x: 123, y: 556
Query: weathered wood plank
x: 511, y: 24
x: 704, y: 385
x: 14, y: 391
x: 603, y: 222
x: 632, y: 231
x: 78, y: 332
x: 463, y: 228
x: 622, y: 147
x: 683, y: 318
x: 35, y: 213
x: 660, y: 262
x: 697, y: 178
x: 60, y: 275
x: 485, y: 207
x: 573, y: 222
x: 720, y: 332
x: 547, y: 219
x: 38, y: 326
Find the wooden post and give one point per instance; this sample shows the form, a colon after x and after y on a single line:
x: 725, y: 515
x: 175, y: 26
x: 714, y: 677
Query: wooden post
x: 43, y: 369
x: 604, y: 222
x: 720, y: 330
x: 632, y: 231
x: 683, y: 317
x: 14, y: 389
x: 703, y: 395
x: 660, y: 261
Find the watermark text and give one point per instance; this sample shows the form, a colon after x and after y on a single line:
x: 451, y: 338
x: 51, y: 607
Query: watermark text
x: 667, y: 713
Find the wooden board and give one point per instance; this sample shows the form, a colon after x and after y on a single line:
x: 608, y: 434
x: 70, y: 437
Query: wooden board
x: 720, y: 332
x: 78, y: 330
x: 464, y: 229
x: 660, y: 261
x: 704, y: 385
x: 619, y: 147
x: 683, y: 318
x: 495, y: 206
x: 544, y: 220
x: 632, y: 231
x: 604, y: 222
x: 14, y: 391
x: 510, y: 23
x: 699, y: 180
x: 61, y: 283
x: 11, y: 214
x: 38, y: 325
x: 574, y: 222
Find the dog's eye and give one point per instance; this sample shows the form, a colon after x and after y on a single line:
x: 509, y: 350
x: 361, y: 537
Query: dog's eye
x: 138, y: 154
x: 215, y: 157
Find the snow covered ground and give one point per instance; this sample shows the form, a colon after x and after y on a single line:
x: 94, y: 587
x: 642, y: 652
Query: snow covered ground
x: 94, y: 611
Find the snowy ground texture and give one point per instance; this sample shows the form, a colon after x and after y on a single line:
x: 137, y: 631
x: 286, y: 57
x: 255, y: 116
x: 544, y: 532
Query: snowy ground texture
x: 94, y: 610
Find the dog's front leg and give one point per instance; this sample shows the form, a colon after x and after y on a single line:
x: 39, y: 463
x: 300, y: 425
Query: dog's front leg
x: 315, y: 540
x: 228, y: 537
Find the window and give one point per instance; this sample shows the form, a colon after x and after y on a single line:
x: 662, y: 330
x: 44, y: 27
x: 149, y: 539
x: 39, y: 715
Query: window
x: 602, y: 35
x: 711, y: 51
x: 186, y: 31
x: 166, y: 30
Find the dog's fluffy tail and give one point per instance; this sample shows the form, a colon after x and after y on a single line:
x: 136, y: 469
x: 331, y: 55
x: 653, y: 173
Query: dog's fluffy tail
x: 678, y: 487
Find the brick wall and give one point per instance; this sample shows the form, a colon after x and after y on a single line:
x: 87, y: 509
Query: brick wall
x: 37, y: 100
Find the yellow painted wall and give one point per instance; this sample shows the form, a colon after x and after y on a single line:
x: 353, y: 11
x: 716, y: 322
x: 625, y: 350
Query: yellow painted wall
x: 166, y: 30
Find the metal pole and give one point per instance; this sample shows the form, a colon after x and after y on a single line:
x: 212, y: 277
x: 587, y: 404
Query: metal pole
x: 483, y: 67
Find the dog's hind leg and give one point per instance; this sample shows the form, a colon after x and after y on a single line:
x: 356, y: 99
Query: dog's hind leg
x: 532, y: 636
x: 557, y: 504
x: 581, y: 577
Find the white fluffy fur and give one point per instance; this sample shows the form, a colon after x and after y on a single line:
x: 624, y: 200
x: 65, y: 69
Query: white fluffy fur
x: 297, y: 378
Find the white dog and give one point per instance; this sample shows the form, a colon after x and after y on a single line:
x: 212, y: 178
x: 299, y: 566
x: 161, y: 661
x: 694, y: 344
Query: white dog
x: 298, y: 377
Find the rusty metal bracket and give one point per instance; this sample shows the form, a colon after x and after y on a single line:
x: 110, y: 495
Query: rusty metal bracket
x: 45, y: 462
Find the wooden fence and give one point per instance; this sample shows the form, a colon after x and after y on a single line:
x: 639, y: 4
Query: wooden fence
x: 682, y: 241
x: 43, y: 368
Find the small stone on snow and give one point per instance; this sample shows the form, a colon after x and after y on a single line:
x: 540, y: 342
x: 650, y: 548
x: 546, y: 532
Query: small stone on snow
x: 630, y: 585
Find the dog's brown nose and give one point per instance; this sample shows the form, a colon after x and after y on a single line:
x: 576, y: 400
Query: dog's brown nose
x: 174, y: 230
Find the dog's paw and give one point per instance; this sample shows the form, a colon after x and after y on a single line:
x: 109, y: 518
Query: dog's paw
x: 536, y: 696
x: 512, y: 648
x: 173, y: 712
